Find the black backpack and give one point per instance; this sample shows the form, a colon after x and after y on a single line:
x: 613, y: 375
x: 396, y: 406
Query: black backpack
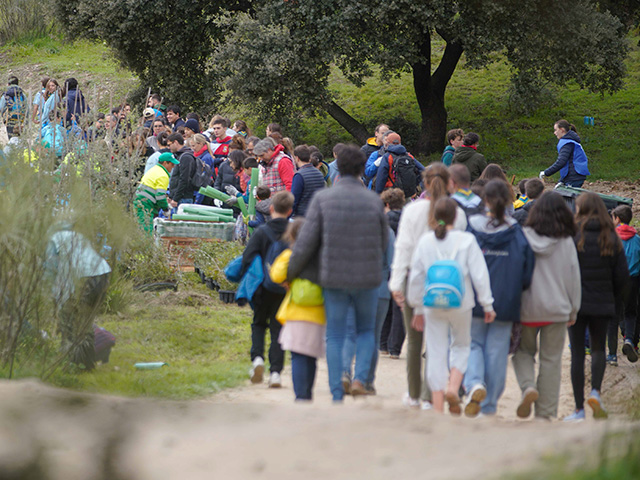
x: 403, y: 173
x: 202, y: 175
x: 275, y: 249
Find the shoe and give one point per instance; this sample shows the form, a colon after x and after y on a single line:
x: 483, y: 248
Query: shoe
x: 257, y: 371
x: 384, y: 353
x: 454, y: 403
x: 394, y: 356
x: 410, y: 402
x: 587, y: 351
x: 425, y: 405
x: 370, y: 389
x: 472, y: 405
x: 346, y: 383
x: 575, y: 417
x: 358, y: 388
x: 529, y: 396
x: 629, y: 351
x: 612, y: 360
x: 595, y: 403
x: 274, y: 380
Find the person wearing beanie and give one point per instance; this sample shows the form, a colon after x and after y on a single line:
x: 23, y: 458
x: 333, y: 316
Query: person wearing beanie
x: 151, y: 195
x: 191, y: 127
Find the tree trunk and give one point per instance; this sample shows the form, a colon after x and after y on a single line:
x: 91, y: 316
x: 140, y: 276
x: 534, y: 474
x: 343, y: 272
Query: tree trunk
x: 347, y: 122
x: 430, y: 90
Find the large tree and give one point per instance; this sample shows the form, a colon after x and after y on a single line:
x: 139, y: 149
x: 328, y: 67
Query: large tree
x: 278, y: 58
x: 169, y: 44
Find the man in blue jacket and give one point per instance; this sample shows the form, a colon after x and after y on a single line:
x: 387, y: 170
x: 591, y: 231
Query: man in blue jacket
x: 387, y: 177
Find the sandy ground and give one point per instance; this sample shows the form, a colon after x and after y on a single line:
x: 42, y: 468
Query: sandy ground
x: 257, y: 432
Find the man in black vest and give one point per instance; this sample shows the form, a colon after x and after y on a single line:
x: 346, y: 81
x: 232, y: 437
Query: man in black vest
x: 306, y: 182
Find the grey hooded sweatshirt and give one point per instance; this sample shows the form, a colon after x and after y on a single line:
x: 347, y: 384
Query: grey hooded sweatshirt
x: 556, y: 291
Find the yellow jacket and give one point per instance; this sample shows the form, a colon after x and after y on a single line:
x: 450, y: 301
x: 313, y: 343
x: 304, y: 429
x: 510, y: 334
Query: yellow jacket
x: 153, y: 187
x: 289, y: 310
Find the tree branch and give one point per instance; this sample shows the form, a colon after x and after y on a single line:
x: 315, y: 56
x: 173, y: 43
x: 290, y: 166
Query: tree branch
x: 349, y: 123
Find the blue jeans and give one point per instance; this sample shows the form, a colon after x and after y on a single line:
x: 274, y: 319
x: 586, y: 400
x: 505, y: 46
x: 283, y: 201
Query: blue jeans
x: 488, y: 360
x: 349, y: 349
x: 303, y: 374
x: 337, y: 303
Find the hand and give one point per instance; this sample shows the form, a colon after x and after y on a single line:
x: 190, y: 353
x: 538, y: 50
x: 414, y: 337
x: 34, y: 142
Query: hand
x: 231, y: 190
x: 377, y: 162
x: 399, y: 298
x: 245, y: 219
x: 417, y: 323
x: 571, y: 323
x: 542, y: 175
x: 489, y: 317
x: 232, y: 200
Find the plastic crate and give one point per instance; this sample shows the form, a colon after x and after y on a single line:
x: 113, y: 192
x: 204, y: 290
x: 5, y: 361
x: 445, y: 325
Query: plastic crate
x: 178, y: 228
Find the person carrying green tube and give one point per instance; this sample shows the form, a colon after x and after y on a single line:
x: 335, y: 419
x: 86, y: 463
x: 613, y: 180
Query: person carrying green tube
x: 151, y: 195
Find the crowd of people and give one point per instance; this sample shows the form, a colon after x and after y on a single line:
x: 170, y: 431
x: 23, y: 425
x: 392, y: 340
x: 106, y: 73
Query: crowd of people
x: 373, y: 251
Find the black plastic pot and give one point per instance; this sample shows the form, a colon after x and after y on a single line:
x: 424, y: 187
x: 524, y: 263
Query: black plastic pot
x: 209, y: 282
x: 227, y: 296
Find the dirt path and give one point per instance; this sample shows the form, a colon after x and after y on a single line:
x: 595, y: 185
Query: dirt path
x: 256, y: 432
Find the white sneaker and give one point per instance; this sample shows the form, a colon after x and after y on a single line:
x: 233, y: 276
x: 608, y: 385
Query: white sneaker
x: 274, y: 380
x: 410, y: 402
x: 472, y: 404
x: 257, y: 371
x: 426, y: 405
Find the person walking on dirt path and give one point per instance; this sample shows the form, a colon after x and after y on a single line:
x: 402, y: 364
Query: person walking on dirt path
x: 605, y: 275
x: 572, y: 162
x: 548, y: 305
x: 13, y: 108
x: 349, y: 244
x: 510, y: 261
x: 416, y: 220
x: 454, y: 140
x: 268, y: 296
x: 448, y: 330
x: 374, y: 143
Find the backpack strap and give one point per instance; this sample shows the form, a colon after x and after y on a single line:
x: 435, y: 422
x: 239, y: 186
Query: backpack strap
x: 451, y: 256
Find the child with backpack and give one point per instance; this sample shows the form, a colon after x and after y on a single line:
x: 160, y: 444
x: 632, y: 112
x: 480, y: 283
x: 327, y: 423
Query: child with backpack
x: 445, y: 265
x: 301, y: 314
x: 266, y: 242
x: 398, y: 168
x: 622, y: 216
x: 604, y: 275
x: 510, y: 261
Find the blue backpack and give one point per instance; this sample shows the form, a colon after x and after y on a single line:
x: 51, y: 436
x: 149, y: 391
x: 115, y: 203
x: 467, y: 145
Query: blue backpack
x: 444, y: 283
x: 275, y: 249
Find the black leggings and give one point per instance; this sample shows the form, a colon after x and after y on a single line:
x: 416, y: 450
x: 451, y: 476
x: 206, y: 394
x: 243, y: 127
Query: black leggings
x: 597, y: 335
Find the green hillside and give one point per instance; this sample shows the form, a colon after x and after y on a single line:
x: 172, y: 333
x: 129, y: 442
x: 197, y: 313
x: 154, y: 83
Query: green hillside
x: 477, y: 100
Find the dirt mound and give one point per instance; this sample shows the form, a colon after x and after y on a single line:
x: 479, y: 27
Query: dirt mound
x: 622, y: 188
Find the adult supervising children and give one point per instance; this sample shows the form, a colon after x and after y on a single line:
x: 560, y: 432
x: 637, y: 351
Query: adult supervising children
x: 572, y: 162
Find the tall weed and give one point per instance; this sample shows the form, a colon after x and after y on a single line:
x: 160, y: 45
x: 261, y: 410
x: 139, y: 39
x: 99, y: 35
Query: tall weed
x: 24, y: 18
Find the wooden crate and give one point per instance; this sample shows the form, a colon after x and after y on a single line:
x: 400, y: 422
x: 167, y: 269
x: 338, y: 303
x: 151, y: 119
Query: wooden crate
x: 180, y: 251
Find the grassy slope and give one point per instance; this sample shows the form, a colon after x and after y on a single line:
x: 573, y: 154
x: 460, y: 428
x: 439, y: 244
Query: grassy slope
x: 477, y: 100
x: 205, y: 343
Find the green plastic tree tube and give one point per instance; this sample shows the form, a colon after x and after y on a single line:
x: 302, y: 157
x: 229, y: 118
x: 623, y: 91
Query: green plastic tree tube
x: 149, y: 365
x: 198, y: 218
x: 255, y: 177
x: 209, y: 211
x: 242, y: 206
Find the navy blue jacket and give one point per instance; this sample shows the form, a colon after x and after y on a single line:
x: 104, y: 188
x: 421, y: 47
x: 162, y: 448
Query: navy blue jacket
x: 510, y: 261
x: 566, y: 155
x: 383, y: 170
x: 75, y: 105
x: 306, y: 182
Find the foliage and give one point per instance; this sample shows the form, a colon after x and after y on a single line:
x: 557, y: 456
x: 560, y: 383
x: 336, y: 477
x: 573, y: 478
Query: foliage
x: 283, y: 52
x: 145, y: 262
x: 619, y: 459
x: 167, y: 43
x: 23, y: 18
x: 212, y: 257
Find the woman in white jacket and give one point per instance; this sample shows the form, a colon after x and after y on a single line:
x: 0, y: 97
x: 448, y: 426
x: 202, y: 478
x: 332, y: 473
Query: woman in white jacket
x: 437, y: 323
x: 548, y: 306
x: 414, y: 222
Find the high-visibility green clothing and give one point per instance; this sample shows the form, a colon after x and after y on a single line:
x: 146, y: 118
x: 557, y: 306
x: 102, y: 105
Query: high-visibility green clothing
x: 151, y: 196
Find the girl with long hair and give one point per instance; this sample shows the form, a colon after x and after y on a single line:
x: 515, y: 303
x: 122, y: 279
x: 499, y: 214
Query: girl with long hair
x: 604, y: 274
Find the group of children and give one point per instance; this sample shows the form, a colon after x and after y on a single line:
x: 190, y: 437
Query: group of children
x: 528, y: 269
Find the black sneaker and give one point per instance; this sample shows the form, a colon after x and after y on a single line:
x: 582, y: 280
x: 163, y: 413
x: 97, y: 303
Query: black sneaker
x: 629, y: 351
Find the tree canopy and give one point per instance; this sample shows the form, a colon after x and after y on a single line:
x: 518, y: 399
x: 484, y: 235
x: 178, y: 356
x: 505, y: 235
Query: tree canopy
x: 275, y: 56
